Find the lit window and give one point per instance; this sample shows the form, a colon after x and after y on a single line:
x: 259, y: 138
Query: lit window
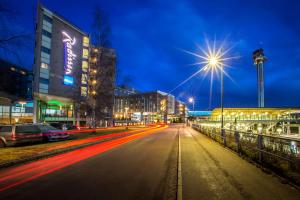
x: 85, y: 53
x: 84, y: 79
x: 44, y: 65
x: 85, y: 66
x: 86, y: 41
x: 83, y: 91
x: 94, y: 59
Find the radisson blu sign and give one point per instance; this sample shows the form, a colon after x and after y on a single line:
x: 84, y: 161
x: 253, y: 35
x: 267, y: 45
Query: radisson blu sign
x: 69, y: 42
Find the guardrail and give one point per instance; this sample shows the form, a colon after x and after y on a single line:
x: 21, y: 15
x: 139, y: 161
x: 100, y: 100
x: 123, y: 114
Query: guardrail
x: 280, y: 154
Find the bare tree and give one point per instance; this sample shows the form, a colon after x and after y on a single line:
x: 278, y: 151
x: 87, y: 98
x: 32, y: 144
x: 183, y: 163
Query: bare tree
x: 101, y: 103
x: 11, y: 40
x: 101, y: 28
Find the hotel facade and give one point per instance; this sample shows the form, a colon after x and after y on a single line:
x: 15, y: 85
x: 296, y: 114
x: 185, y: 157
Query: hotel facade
x: 61, y: 70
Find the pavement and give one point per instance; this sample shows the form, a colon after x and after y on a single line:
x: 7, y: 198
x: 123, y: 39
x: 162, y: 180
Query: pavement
x: 145, y: 166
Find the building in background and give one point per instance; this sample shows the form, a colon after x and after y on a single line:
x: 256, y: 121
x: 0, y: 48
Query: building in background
x: 180, y: 111
x: 61, y: 68
x: 102, y: 85
x: 15, y: 94
x: 15, y: 81
x: 148, y: 107
x: 124, y: 91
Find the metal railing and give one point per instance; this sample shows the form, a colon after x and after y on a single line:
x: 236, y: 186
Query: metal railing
x: 278, y: 153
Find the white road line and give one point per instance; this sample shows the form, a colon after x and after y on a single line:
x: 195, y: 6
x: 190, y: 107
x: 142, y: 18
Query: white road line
x: 179, y: 177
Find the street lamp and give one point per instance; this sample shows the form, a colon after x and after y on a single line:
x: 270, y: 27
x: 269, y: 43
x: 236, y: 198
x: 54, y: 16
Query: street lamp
x: 22, y: 106
x: 214, y: 61
x: 192, y: 100
x: 126, y: 115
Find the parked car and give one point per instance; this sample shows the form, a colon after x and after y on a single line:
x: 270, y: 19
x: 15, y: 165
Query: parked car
x: 63, y: 126
x: 11, y: 135
x: 19, y: 133
x: 51, y: 133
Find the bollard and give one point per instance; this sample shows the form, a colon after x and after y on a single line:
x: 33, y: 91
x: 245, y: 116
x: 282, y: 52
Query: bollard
x: 237, y: 140
x: 223, y: 134
x: 259, y: 146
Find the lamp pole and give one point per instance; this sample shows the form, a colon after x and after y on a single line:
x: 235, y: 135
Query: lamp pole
x: 222, y: 105
x: 192, y: 100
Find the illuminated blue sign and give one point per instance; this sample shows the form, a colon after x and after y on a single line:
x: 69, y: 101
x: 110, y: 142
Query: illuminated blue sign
x: 199, y: 113
x: 68, y: 80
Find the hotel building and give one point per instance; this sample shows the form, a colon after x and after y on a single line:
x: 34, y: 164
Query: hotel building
x: 61, y: 68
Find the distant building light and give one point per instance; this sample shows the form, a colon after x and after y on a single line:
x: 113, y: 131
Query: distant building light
x: 13, y: 69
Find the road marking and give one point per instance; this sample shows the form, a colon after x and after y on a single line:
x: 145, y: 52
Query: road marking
x: 179, y: 177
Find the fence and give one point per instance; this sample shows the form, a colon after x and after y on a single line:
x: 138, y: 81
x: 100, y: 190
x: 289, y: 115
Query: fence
x: 280, y: 154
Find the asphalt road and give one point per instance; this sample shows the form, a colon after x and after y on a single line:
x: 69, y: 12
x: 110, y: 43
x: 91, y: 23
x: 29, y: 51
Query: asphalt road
x: 146, y: 168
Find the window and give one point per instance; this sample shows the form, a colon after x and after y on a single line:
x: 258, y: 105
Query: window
x: 27, y: 129
x: 84, y: 78
x: 46, y: 44
x: 45, y: 60
x: 44, y: 81
x: 43, y: 86
x: 47, y: 25
x: 44, y: 66
x: 85, y: 53
x: 43, y: 91
x: 46, y: 33
x: 5, y: 129
x: 44, y: 73
x: 46, y: 50
x: 45, y: 55
x: 86, y: 41
x: 47, y: 18
x: 47, y: 28
x: 85, y: 66
x: 83, y: 91
x: 46, y: 128
x: 46, y: 38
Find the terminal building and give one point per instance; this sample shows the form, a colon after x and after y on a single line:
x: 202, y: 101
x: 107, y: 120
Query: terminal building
x: 61, y: 69
x: 272, y: 120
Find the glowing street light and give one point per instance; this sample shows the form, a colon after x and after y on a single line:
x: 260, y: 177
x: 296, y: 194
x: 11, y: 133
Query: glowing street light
x: 192, y: 100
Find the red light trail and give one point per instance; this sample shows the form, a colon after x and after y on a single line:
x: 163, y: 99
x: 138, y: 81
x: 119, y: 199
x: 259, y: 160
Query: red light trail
x: 21, y: 174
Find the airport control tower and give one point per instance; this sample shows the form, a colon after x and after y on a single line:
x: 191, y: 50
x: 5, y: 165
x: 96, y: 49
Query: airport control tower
x: 259, y: 60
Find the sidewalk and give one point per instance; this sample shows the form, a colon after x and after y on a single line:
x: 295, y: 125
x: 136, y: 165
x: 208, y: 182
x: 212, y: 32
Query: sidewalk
x: 210, y: 171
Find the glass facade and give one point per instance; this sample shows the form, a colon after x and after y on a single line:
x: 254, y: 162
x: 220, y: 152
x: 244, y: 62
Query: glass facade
x: 45, y: 51
x: 16, y: 113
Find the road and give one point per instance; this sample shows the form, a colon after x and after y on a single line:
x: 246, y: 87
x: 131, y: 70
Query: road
x: 146, y: 167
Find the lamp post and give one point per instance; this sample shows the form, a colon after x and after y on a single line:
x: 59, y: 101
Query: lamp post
x: 192, y: 100
x: 215, y: 62
x: 126, y: 115
x: 22, y: 106
x: 222, y: 104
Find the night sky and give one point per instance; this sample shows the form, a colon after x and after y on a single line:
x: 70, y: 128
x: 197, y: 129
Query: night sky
x: 148, y: 37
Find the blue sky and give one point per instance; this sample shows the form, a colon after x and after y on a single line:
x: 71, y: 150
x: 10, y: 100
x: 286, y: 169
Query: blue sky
x: 148, y: 36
